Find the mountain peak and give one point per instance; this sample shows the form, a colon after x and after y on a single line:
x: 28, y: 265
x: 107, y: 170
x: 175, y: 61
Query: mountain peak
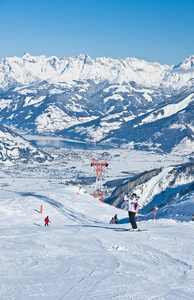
x: 85, y: 58
x: 26, y: 55
x: 187, y: 63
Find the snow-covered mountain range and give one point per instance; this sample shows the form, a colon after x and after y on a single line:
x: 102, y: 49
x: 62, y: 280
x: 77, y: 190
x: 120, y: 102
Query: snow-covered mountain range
x: 102, y: 100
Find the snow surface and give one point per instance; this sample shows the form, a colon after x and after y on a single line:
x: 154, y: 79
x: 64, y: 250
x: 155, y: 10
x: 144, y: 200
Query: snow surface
x: 81, y: 256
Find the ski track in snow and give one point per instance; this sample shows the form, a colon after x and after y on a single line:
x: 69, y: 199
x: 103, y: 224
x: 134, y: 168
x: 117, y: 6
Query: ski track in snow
x: 81, y: 256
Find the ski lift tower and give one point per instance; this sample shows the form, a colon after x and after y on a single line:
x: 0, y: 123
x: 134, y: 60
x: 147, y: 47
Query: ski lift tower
x: 99, y: 167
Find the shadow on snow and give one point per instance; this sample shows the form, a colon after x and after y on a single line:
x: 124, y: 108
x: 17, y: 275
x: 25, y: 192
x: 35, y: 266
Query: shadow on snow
x: 69, y: 213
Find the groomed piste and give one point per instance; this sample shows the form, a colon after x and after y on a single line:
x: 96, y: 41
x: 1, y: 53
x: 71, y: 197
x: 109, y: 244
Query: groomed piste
x: 81, y: 256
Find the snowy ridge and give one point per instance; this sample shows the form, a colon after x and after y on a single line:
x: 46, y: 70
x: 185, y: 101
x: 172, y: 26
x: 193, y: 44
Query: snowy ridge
x: 169, y: 184
x: 155, y: 187
x: 187, y: 63
x: 169, y: 110
x: 15, y: 149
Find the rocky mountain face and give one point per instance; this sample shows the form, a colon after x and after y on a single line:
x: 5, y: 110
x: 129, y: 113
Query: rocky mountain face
x: 156, y: 187
x: 15, y: 149
x: 119, y: 102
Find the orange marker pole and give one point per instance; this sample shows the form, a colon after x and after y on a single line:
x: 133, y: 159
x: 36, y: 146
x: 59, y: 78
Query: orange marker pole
x: 41, y: 209
x: 155, y: 213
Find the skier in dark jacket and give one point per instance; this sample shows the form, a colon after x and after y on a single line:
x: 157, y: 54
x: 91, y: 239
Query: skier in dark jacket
x: 46, y: 220
x: 132, y: 209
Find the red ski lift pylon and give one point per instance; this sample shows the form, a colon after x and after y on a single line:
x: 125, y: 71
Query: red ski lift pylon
x: 99, y: 167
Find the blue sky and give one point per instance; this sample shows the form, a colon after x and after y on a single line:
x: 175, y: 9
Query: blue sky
x: 152, y: 30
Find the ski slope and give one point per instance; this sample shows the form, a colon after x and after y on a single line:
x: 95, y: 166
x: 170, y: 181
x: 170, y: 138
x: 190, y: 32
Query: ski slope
x: 82, y: 256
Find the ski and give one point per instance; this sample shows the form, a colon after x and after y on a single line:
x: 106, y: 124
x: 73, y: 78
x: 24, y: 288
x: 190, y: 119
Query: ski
x: 140, y: 230
x: 130, y: 230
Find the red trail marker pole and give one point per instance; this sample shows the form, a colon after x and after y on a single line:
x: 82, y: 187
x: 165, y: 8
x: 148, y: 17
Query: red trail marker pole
x: 41, y: 209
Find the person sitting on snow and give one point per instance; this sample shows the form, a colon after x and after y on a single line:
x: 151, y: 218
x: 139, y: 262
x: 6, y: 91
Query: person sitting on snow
x: 114, y: 220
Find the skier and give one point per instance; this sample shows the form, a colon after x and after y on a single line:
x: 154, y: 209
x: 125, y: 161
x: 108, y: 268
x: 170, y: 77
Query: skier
x: 46, y: 220
x: 132, y: 209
